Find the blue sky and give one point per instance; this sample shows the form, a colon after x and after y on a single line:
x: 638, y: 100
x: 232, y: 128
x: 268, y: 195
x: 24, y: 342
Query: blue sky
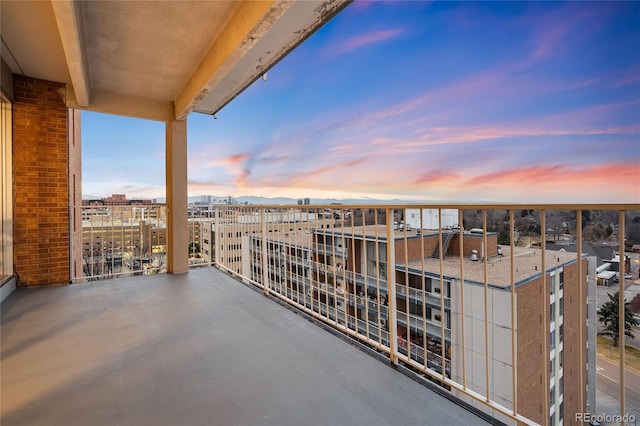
x: 473, y: 101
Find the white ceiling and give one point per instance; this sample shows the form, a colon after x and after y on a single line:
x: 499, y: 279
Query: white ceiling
x: 154, y: 59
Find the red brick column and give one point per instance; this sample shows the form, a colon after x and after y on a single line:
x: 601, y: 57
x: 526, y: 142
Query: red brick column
x: 40, y: 182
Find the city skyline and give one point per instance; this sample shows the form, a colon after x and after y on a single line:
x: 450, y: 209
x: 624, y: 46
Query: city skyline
x: 536, y: 102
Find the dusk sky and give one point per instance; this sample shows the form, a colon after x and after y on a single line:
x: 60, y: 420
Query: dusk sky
x: 441, y: 101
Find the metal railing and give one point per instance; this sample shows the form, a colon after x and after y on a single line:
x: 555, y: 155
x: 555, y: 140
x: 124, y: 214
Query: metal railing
x: 125, y: 240
x: 120, y: 240
x: 487, y: 319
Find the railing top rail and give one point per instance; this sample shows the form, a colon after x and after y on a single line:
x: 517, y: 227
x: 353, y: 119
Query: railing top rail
x: 461, y: 206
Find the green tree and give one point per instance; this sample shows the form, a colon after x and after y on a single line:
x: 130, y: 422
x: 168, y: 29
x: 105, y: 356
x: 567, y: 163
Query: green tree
x: 608, y: 231
x: 608, y: 316
x: 503, y: 237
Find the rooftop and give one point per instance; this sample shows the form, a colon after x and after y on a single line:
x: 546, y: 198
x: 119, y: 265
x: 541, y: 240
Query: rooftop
x: 198, y: 348
x: 527, y: 264
x: 380, y: 231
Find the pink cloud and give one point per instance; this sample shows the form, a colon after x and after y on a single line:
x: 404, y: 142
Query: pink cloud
x: 318, y: 177
x: 561, y: 180
x: 612, y: 182
x: 436, y: 177
x: 362, y: 40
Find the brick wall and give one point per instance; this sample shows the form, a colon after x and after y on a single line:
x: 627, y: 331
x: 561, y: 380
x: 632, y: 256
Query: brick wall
x: 413, y: 250
x: 531, y: 324
x: 474, y: 242
x: 572, y: 322
x: 40, y: 182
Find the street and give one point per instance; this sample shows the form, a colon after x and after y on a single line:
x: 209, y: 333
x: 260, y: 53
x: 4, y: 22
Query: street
x: 608, y: 383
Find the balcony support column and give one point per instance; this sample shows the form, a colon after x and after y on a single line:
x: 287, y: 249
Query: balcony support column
x: 176, y: 175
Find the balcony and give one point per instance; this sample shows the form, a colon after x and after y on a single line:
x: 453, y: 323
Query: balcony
x: 134, y: 345
x: 196, y: 349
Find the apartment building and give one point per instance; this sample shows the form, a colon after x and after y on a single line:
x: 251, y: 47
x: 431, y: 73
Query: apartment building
x: 227, y: 234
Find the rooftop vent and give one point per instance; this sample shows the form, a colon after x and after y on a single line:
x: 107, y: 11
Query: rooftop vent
x: 474, y: 255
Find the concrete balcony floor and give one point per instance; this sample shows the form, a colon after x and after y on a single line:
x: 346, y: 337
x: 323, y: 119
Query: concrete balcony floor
x: 194, y: 349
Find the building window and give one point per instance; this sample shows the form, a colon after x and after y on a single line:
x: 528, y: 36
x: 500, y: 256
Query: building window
x: 6, y: 200
x: 376, y: 265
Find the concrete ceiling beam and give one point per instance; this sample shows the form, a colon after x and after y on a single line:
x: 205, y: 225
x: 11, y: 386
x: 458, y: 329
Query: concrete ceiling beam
x: 247, y: 25
x: 108, y: 102
x: 69, y: 21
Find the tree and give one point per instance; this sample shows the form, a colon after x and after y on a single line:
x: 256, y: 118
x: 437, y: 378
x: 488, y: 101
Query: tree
x: 608, y: 315
x: 608, y: 231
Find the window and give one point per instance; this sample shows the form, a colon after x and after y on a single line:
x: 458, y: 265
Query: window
x: 561, y: 411
x: 6, y: 202
x: 376, y: 268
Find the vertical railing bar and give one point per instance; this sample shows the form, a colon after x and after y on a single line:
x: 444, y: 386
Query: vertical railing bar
x: 103, y: 231
x: 352, y: 244
x: 110, y: 248
x: 365, y: 297
x: 282, y: 253
x: 424, y: 291
x: 353, y: 248
x: 133, y: 245
x: 316, y: 283
x: 486, y: 303
x: 545, y: 317
x: 365, y: 280
x: 581, y: 316
x: 514, y: 359
x: 621, y: 311
x: 462, y: 326
x: 277, y: 232
x: 299, y: 244
x: 377, y: 255
x: 336, y: 275
x: 326, y: 275
x: 214, y: 237
x: 391, y: 290
x: 407, y: 297
x: 289, y: 245
x: 334, y: 252
x: 443, y: 322
x: 91, y: 243
x: 122, y: 236
x: 265, y: 259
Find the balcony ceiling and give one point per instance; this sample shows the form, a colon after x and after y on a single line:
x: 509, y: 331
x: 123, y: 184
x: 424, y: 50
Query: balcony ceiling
x: 142, y: 58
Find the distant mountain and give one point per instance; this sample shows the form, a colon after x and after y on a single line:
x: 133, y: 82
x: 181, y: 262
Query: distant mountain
x: 90, y: 197
x: 256, y: 200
